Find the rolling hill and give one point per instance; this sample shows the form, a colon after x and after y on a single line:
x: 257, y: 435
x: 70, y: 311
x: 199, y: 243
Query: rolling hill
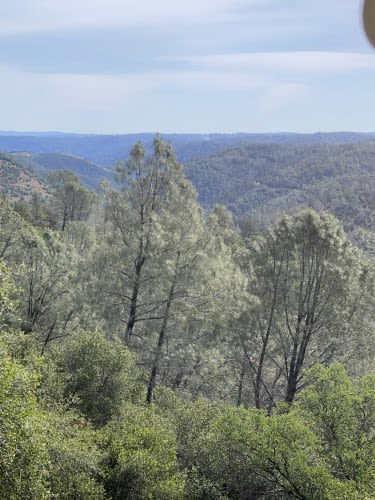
x: 322, y: 171
x: 40, y: 164
x: 265, y: 180
x: 16, y: 182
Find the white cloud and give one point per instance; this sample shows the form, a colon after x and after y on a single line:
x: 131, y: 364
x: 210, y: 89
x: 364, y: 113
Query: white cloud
x: 96, y: 91
x: 278, y: 77
x: 284, y: 62
x: 46, y: 15
x: 40, y: 101
x: 18, y: 16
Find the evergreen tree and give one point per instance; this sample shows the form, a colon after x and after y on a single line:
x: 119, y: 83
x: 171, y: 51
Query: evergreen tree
x: 309, y: 283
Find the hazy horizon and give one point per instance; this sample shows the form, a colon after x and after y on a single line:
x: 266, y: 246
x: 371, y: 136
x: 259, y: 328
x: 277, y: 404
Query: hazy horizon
x: 158, y: 132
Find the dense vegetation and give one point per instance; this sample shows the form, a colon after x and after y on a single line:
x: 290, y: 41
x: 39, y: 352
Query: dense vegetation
x: 41, y: 164
x: 151, y: 350
x: 318, y: 171
x: 18, y: 183
x: 269, y: 180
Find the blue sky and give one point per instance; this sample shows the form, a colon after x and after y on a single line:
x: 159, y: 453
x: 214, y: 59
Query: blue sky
x: 121, y: 66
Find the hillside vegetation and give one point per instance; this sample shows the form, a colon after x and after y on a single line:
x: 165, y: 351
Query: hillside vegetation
x: 17, y: 182
x: 41, y: 164
x: 267, y: 180
x: 260, y: 180
x: 151, y: 350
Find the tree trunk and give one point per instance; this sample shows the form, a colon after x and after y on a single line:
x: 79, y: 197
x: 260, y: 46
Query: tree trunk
x: 159, y: 347
x: 265, y: 339
x: 134, y: 300
x: 240, y: 383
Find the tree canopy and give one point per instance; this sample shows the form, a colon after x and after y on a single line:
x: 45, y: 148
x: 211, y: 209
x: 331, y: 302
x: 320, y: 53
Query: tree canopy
x: 152, y: 349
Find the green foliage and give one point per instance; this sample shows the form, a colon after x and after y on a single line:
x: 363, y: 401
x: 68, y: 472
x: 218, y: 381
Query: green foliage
x: 210, y: 313
x: 132, y: 250
x: 45, y: 454
x: 310, y: 282
x: 93, y: 374
x: 74, y: 458
x: 39, y: 215
x: 24, y: 454
x: 8, y: 294
x: 47, y: 304
x: 44, y: 269
x: 252, y: 454
x: 342, y: 414
x: 71, y: 201
x: 320, y: 448
x: 163, y: 272
x: 22, y: 209
x: 192, y: 422
x: 140, y: 460
x: 80, y: 235
x: 15, y: 232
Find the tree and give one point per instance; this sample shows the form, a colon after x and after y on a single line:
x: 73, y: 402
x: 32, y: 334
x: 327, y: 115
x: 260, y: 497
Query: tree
x: 168, y: 271
x: 200, y: 277
x: 309, y: 284
x: 341, y: 412
x: 24, y: 452
x: 14, y: 232
x: 44, y: 268
x: 8, y: 293
x: 81, y: 236
x: 92, y: 374
x: 237, y: 308
x: 74, y: 457
x: 132, y: 247
x: 47, y: 450
x: 71, y: 201
x: 192, y: 421
x: 140, y: 456
x: 39, y: 215
x: 47, y: 287
x: 250, y: 455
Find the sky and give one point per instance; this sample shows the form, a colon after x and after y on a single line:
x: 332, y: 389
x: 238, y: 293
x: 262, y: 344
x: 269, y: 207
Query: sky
x: 185, y: 66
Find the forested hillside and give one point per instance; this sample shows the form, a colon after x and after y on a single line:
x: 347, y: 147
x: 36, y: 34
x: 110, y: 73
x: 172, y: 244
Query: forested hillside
x: 17, y: 182
x: 266, y: 181
x: 260, y: 180
x: 41, y: 164
x: 151, y: 350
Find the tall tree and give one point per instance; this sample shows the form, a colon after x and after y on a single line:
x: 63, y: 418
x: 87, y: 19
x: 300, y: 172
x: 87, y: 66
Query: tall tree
x: 309, y: 284
x: 205, y: 290
x: 48, y: 285
x: 14, y: 231
x: 132, y: 245
x: 71, y: 201
x: 161, y: 269
x: 183, y: 269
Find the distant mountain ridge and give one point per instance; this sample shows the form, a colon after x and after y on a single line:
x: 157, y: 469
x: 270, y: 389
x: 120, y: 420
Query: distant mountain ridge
x: 277, y: 173
x: 106, y: 150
